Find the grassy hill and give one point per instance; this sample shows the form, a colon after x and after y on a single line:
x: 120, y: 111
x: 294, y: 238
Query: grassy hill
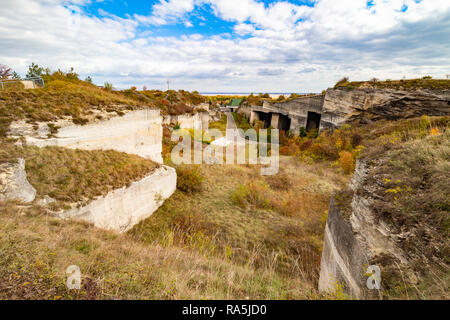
x: 235, y: 235
x: 403, y: 84
x: 64, y: 95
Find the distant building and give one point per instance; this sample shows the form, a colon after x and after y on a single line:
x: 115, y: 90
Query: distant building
x: 234, y: 104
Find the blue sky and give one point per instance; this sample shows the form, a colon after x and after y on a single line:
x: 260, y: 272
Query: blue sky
x: 229, y: 45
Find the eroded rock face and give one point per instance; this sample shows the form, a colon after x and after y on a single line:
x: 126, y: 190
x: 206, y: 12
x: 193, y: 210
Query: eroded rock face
x: 14, y: 184
x: 352, y: 244
x: 368, y: 104
x: 123, y: 208
x: 137, y: 132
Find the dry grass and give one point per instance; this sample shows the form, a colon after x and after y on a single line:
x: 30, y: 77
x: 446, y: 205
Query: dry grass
x: 66, y: 96
x: 404, y: 84
x: 256, y: 230
x: 412, y: 197
x: 77, y: 176
x: 35, y: 251
x: 220, y: 125
x: 196, y: 246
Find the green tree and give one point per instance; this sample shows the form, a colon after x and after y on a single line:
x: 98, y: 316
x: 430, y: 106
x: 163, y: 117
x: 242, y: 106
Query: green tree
x: 34, y: 71
x: 88, y: 79
x: 15, y: 76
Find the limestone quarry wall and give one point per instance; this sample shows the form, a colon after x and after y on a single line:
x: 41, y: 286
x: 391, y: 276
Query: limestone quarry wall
x: 344, y: 259
x: 137, y: 132
x: 196, y: 121
x: 14, y: 184
x: 123, y: 208
x: 354, y: 242
x: 368, y: 104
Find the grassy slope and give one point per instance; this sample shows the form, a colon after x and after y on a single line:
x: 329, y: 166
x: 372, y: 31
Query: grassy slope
x: 196, y: 246
x: 409, y: 176
x: 406, y: 84
x: 77, y: 176
x: 78, y: 99
x: 223, y: 242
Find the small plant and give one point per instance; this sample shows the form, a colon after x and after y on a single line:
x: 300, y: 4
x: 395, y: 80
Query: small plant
x: 253, y: 193
x: 53, y: 129
x: 189, y: 179
x: 302, y: 132
x: 109, y: 86
x: 281, y: 181
x: 356, y: 139
x: 342, y: 83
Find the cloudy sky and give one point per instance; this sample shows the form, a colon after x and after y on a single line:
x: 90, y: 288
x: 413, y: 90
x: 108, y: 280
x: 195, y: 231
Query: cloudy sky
x: 229, y: 45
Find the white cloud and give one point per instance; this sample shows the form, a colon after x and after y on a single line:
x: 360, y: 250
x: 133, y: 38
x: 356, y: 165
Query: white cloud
x: 286, y: 48
x: 168, y: 11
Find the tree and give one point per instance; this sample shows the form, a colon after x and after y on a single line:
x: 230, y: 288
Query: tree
x: 34, y: 71
x: 15, y: 76
x: 88, y: 79
x: 5, y: 72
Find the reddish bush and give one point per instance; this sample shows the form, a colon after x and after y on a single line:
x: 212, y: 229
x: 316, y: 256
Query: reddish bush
x: 306, y: 145
x: 356, y: 139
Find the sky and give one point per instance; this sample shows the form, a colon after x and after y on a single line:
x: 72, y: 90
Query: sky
x: 229, y: 45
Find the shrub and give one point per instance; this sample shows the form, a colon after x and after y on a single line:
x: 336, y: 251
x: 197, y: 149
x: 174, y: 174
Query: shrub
x: 356, y: 139
x: 302, y: 132
x: 347, y: 162
x: 253, y: 193
x: 109, y: 86
x: 189, y: 179
x: 343, y: 82
x: 306, y: 145
x: 281, y: 181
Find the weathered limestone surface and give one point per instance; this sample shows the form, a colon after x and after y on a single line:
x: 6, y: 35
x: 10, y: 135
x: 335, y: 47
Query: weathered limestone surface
x: 123, y: 208
x: 296, y: 110
x: 137, y: 132
x: 196, y: 121
x: 368, y: 104
x: 352, y: 244
x: 341, y: 105
x: 14, y: 184
x: 344, y: 258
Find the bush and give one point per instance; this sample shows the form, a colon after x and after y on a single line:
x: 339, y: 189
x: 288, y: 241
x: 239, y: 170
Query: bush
x: 306, y: 145
x: 302, y: 132
x: 109, y: 86
x: 343, y: 82
x: 253, y: 193
x: 281, y: 181
x: 356, y: 139
x: 189, y: 179
x: 347, y: 162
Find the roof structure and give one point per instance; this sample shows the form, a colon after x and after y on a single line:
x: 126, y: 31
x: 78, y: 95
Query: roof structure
x: 235, y: 102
